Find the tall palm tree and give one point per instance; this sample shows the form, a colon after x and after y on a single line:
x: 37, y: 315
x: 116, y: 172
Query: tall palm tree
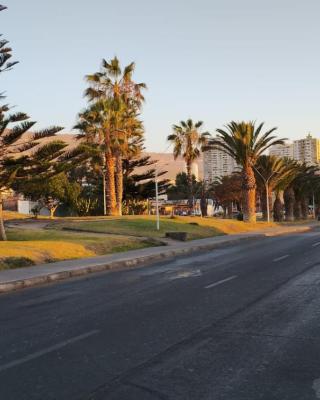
x: 188, y: 141
x: 302, y: 186
x: 269, y: 171
x: 116, y: 84
x: 283, y: 196
x: 128, y: 130
x: 245, y: 142
x: 95, y: 126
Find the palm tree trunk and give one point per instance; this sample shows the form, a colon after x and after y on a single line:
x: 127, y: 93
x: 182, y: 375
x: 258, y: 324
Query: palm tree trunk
x: 278, y: 208
x: 3, y: 235
x: 264, y: 203
x: 249, y: 194
x: 304, y: 207
x: 297, y: 210
x: 190, y: 188
x: 289, y: 200
x: 119, y: 182
x: 229, y: 208
x: 204, y: 206
x: 110, y: 186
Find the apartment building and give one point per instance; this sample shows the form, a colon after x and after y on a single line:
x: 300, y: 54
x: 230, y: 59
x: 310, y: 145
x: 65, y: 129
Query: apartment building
x: 282, y: 150
x: 216, y: 163
x: 304, y: 150
x: 307, y: 150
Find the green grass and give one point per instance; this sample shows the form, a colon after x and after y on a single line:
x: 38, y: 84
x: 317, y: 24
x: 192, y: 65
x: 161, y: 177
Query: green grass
x: 100, y: 244
x: 34, y: 246
x: 145, y: 227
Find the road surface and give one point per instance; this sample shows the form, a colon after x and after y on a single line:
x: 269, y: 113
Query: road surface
x: 236, y: 323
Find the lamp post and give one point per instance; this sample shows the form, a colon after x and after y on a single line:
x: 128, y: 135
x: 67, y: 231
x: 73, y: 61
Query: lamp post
x: 266, y: 185
x: 104, y: 189
x: 313, y: 206
x: 157, y: 200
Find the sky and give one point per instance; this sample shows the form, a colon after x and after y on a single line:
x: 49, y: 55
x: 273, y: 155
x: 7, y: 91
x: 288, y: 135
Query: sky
x: 209, y: 60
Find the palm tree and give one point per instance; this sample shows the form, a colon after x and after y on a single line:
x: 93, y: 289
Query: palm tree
x: 188, y: 141
x: 95, y: 127
x: 116, y: 85
x: 131, y: 130
x: 269, y: 171
x: 245, y: 142
x: 283, y: 194
x: 302, y: 186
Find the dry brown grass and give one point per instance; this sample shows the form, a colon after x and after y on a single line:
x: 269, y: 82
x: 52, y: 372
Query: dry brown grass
x: 43, y: 251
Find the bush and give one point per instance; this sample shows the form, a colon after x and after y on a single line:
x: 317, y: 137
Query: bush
x: 240, y: 216
x: 16, y: 262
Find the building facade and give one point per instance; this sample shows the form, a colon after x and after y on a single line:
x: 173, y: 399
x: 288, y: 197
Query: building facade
x: 307, y: 150
x: 304, y: 150
x: 217, y: 163
x: 282, y: 150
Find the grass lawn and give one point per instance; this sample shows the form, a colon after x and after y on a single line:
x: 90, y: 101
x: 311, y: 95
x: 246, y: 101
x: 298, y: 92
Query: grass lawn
x: 30, y: 243
x: 30, y: 247
x: 9, y: 215
x: 145, y: 226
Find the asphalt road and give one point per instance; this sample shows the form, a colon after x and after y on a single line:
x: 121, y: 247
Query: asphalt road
x: 238, y: 323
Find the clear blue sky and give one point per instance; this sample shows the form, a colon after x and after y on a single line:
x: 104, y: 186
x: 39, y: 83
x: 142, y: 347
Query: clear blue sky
x: 211, y: 60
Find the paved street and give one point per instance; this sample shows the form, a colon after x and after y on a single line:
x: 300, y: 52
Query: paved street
x: 236, y: 323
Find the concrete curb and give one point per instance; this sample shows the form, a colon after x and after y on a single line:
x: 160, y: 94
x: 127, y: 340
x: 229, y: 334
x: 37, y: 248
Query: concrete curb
x: 115, y: 265
x: 164, y: 253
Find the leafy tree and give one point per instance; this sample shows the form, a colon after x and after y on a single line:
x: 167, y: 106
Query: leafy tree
x: 140, y: 186
x: 226, y: 190
x: 181, y: 190
x: 52, y: 192
x: 5, y: 52
x: 188, y: 141
x: 245, y: 142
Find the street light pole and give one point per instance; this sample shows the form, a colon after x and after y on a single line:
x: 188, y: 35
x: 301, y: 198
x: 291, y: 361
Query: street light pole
x: 267, y: 200
x: 266, y: 185
x: 104, y: 190
x: 157, y: 201
x: 313, y: 206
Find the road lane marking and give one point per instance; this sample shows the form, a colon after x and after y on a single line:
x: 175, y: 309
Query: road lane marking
x: 281, y: 258
x: 50, y: 349
x: 220, y: 282
x: 186, y: 274
x: 316, y: 244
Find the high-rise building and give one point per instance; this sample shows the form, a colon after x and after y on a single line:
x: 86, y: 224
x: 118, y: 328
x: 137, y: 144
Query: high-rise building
x: 217, y: 163
x: 304, y: 150
x: 307, y: 150
x: 282, y: 150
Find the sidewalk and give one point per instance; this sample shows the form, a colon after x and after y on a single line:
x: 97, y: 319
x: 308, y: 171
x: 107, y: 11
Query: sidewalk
x: 31, y: 276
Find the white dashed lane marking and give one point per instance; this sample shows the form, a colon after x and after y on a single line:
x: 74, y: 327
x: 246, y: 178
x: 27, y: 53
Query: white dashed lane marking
x: 221, y: 282
x: 281, y: 258
x: 48, y: 350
